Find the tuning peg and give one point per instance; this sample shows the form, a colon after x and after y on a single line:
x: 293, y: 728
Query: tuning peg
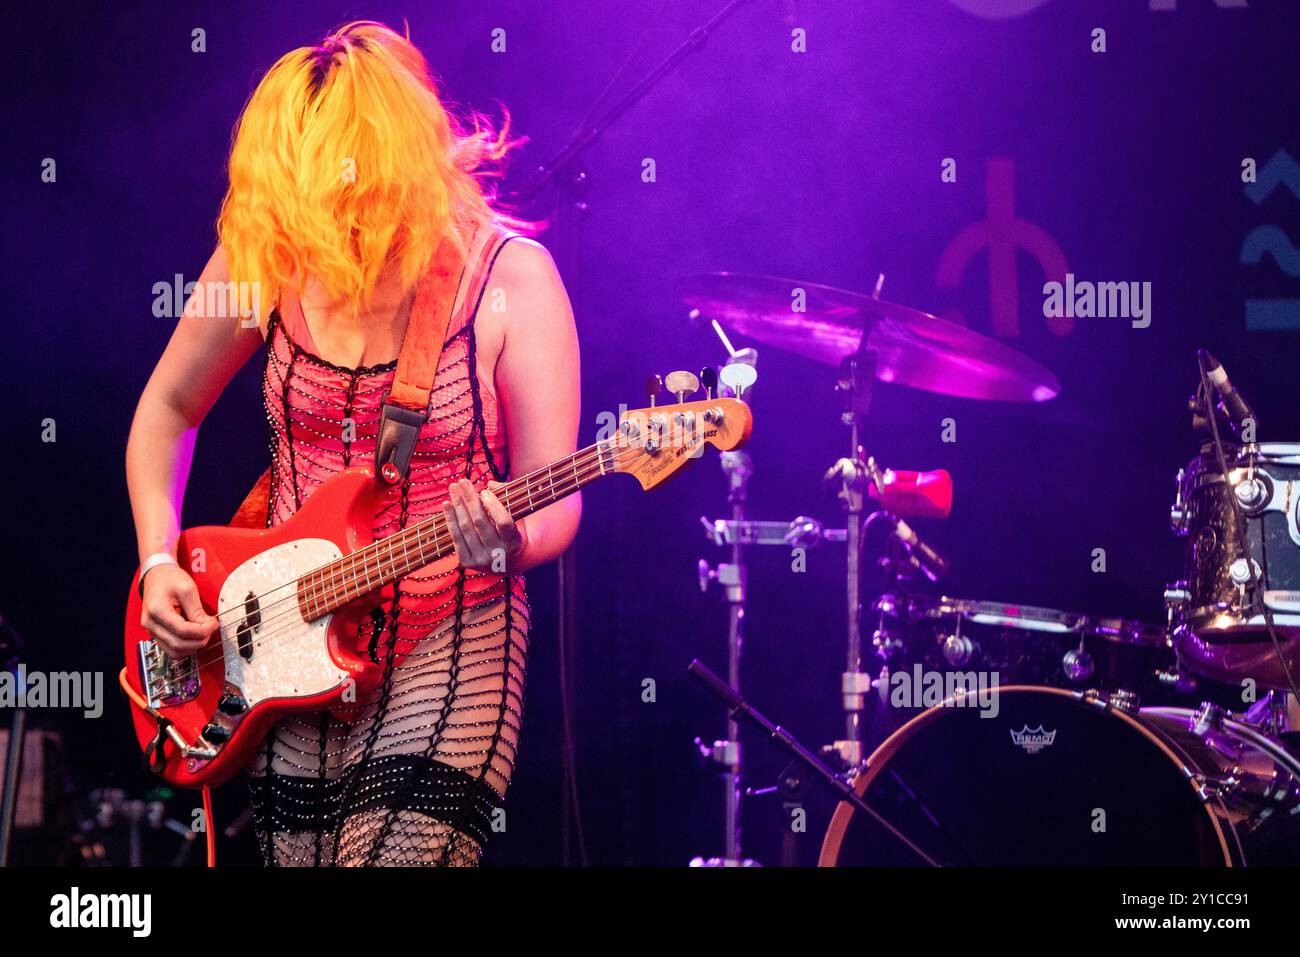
x: 653, y: 385
x: 709, y: 379
x: 682, y: 384
x: 738, y: 376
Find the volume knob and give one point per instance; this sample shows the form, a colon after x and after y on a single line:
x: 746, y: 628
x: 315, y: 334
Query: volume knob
x: 215, y: 733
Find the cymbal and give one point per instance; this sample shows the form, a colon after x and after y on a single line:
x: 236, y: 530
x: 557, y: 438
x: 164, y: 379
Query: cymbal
x: 912, y: 348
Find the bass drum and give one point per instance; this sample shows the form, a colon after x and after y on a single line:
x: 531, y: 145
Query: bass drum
x: 1055, y: 777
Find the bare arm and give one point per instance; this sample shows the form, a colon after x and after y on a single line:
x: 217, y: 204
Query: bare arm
x: 537, y: 380
x: 204, y: 353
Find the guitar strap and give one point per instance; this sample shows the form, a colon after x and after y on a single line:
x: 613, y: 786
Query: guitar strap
x: 406, y: 407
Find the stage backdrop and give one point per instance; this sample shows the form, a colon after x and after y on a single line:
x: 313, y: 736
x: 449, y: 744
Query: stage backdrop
x: 969, y: 150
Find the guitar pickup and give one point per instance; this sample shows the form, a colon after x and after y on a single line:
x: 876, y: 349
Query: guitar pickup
x: 167, y: 681
x: 252, y: 621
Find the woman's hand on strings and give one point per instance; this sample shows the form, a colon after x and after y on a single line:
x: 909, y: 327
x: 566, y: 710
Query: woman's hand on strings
x: 172, y: 612
x: 487, y: 538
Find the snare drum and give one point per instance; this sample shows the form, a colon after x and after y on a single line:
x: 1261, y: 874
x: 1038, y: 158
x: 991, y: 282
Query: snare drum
x: 1218, y: 620
x: 1022, y: 644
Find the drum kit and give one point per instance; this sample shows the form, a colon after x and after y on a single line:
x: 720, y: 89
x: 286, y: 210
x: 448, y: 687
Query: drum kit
x: 979, y: 732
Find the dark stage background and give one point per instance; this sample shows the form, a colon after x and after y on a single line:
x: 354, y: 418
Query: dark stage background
x: 822, y: 165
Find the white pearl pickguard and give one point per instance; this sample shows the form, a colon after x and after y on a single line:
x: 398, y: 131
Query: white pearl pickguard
x: 290, y: 657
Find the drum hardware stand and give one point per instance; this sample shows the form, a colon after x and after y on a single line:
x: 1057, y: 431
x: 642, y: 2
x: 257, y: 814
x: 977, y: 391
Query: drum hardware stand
x: 802, y: 532
x: 857, y: 373
x: 732, y: 578
x: 737, y: 706
x: 1217, y: 728
x: 792, y: 789
x: 726, y: 753
x: 1269, y: 714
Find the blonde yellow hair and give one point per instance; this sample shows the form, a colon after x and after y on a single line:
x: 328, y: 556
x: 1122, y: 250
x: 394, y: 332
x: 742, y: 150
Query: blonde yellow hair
x: 345, y: 161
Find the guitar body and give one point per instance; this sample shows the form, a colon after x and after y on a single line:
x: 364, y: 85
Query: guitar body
x: 266, y: 654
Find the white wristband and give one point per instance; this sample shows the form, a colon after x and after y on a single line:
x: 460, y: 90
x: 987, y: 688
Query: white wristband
x: 153, y: 561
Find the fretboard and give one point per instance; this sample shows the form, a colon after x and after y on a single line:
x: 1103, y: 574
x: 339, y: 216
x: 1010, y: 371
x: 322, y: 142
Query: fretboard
x: 332, y: 586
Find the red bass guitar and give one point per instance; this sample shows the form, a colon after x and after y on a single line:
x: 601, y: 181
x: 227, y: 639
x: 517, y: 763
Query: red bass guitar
x: 289, y: 599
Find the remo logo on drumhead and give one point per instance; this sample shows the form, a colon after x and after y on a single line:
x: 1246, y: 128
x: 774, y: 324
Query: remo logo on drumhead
x: 1033, y: 740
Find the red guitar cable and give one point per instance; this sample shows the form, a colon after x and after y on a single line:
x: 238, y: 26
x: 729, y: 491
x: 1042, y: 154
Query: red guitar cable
x: 208, y: 827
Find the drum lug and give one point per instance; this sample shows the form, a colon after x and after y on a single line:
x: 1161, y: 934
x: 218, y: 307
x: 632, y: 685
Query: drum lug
x: 1177, y: 680
x: 1178, y: 511
x: 886, y: 643
x: 1077, y: 664
x: 1216, y: 788
x: 1253, y: 493
x: 1240, y: 572
x: 1208, y: 717
x: 1124, y: 701
x: 957, y: 648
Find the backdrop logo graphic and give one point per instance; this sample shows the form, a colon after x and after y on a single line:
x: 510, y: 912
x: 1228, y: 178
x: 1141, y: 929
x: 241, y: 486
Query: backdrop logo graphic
x: 1270, y: 240
x: 1002, y: 233
x: 998, y: 9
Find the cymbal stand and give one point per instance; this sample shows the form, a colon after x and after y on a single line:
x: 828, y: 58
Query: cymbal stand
x: 857, y: 373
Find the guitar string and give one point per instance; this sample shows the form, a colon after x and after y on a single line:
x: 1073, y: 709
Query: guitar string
x: 349, y: 562
x: 444, y: 539
x: 337, y: 570
x: 520, y: 484
x: 525, y: 483
x: 441, y: 540
x: 590, y: 469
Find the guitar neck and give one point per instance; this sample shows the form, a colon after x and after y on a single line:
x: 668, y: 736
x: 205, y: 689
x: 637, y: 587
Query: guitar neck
x: 332, y: 586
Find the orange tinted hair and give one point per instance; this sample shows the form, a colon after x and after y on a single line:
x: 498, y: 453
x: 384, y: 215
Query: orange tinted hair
x: 345, y: 161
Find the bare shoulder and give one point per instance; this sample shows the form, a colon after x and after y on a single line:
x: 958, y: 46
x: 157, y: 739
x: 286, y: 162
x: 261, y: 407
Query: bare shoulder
x: 524, y: 304
x: 524, y: 263
x: 524, y: 291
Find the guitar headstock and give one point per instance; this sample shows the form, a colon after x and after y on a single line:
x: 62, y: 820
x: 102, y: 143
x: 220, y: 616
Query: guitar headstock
x: 655, y: 443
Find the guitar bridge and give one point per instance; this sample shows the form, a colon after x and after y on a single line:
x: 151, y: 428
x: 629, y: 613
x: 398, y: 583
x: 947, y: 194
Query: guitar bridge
x: 167, y: 681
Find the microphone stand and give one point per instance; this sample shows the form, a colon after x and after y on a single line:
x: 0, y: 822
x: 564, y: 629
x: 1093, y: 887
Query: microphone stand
x: 558, y: 164
x: 738, y: 706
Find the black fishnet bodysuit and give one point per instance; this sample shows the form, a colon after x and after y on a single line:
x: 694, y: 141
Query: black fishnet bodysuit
x: 419, y: 777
